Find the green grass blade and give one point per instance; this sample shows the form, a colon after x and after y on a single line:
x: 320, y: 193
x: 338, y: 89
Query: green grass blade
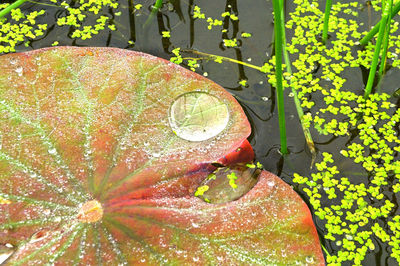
x: 328, y: 5
x: 372, y: 71
x: 154, y: 11
x: 8, y: 9
x: 385, y: 43
x: 279, y: 74
x: 306, y: 130
x: 375, y: 29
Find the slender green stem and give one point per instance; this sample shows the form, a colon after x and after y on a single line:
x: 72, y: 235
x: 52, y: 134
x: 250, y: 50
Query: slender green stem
x: 372, y: 71
x: 158, y: 4
x: 279, y: 74
x: 324, y: 249
x: 328, y: 5
x: 43, y: 4
x: 385, y: 43
x: 225, y: 59
x: 306, y: 130
x: 154, y: 11
x: 375, y: 29
x: 8, y: 9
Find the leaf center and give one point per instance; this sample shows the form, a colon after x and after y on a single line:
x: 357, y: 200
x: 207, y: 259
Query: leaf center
x: 90, y: 212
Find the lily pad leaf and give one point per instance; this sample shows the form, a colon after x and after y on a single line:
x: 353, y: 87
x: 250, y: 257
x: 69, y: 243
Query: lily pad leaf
x: 101, y: 152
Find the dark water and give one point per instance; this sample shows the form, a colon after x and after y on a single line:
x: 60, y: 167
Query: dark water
x: 257, y: 98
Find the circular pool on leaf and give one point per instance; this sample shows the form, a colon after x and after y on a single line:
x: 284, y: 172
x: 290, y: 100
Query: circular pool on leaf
x: 198, y: 116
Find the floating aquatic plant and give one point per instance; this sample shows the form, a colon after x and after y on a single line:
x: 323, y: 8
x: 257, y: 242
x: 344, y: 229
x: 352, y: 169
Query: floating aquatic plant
x: 20, y: 27
x: 348, y: 215
x: 108, y: 172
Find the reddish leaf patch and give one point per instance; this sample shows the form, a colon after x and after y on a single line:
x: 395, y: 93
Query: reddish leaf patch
x: 101, y: 151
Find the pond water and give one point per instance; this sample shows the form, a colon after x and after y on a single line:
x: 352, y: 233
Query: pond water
x: 174, y: 26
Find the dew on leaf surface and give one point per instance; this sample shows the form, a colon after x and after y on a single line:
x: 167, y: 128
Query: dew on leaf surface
x: 52, y: 151
x: 194, y: 116
x: 198, y: 116
x: 5, y: 252
x: 309, y: 259
x: 38, y: 236
x: 19, y: 70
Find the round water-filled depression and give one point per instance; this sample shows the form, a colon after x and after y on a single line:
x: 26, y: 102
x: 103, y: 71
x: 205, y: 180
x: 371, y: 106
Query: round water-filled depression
x: 198, y: 116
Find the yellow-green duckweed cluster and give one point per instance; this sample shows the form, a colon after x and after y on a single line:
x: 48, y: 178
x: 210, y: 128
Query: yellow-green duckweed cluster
x: 20, y: 28
x: 75, y: 17
x: 23, y: 27
x: 355, y: 213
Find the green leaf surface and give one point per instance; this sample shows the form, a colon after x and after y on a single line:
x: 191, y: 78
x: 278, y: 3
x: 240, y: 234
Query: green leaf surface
x: 101, y: 151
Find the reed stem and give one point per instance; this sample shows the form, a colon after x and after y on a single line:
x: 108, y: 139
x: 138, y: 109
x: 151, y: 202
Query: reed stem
x: 375, y: 29
x: 8, y: 9
x: 385, y: 43
x: 154, y: 11
x: 297, y: 103
x: 279, y: 74
x: 372, y: 71
x: 328, y: 5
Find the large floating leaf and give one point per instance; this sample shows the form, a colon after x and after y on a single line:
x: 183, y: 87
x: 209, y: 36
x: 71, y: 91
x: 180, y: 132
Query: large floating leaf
x: 101, y: 151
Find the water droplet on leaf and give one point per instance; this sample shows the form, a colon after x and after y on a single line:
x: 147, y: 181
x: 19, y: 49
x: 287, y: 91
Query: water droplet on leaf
x: 38, y: 236
x: 195, y: 225
x: 52, y: 151
x: 198, y: 116
x: 5, y: 252
x: 309, y: 259
x: 270, y: 183
x: 19, y: 70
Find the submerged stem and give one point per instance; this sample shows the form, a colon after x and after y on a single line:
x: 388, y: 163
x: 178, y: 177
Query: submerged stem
x: 154, y: 11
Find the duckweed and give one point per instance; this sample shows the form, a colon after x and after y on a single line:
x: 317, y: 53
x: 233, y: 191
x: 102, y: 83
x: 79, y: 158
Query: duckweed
x: 19, y: 28
x: 347, y: 215
x: 22, y: 27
